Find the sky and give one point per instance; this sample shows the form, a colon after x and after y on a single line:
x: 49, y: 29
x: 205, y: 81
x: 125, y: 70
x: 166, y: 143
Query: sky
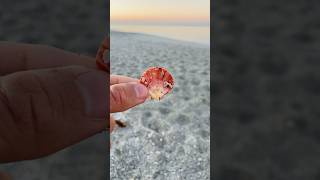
x: 160, y: 12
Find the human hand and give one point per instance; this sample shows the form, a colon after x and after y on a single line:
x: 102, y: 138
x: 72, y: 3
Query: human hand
x: 123, y: 89
x: 125, y: 93
x: 47, y: 103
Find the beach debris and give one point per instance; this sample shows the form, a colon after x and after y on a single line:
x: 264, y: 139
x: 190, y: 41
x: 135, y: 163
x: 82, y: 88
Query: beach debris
x: 119, y: 119
x: 121, y: 123
x: 158, y: 80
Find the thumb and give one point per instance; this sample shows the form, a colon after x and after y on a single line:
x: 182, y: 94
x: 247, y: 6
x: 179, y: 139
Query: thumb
x: 126, y: 95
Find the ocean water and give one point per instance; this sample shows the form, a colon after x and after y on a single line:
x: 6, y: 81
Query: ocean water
x: 197, y: 34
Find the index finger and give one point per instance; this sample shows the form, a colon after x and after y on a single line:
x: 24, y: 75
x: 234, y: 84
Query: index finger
x: 117, y: 79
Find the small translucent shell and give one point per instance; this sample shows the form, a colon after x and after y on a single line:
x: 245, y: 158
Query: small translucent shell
x: 158, y: 81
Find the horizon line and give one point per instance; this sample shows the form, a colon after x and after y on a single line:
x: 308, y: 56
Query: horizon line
x: 173, y: 23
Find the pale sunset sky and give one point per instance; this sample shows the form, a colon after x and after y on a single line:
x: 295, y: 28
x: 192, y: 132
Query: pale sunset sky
x: 160, y: 12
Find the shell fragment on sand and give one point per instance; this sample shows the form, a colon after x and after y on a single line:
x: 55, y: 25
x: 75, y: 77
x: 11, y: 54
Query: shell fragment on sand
x: 119, y: 119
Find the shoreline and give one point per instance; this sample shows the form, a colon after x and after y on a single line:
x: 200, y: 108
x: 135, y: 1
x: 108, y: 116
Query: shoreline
x: 161, y: 37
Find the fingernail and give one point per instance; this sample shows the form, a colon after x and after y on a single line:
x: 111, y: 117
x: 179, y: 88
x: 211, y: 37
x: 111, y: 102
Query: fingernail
x: 141, y: 91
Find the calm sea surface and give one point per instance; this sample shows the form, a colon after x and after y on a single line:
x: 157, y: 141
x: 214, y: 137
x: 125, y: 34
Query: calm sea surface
x: 198, y: 34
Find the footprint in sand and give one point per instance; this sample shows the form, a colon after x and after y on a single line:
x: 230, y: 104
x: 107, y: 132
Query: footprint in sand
x: 182, y: 120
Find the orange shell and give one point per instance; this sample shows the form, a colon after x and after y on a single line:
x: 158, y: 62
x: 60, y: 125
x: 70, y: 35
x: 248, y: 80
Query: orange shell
x: 158, y: 80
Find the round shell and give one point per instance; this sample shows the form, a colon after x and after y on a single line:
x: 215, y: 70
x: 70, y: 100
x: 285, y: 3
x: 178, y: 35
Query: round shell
x: 158, y: 80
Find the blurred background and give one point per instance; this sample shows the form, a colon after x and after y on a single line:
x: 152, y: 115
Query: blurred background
x: 77, y: 26
x: 266, y: 90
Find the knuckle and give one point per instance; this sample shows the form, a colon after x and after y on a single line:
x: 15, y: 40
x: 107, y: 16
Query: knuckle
x: 118, y: 95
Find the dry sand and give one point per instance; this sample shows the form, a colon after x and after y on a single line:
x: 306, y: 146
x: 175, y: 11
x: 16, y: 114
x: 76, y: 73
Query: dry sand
x: 169, y: 139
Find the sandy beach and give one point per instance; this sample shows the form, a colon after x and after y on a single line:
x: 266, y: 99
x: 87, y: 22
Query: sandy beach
x: 169, y: 139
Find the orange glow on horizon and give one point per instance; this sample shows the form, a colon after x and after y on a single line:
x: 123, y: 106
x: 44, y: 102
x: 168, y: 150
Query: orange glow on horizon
x: 159, y: 11
x: 158, y: 18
